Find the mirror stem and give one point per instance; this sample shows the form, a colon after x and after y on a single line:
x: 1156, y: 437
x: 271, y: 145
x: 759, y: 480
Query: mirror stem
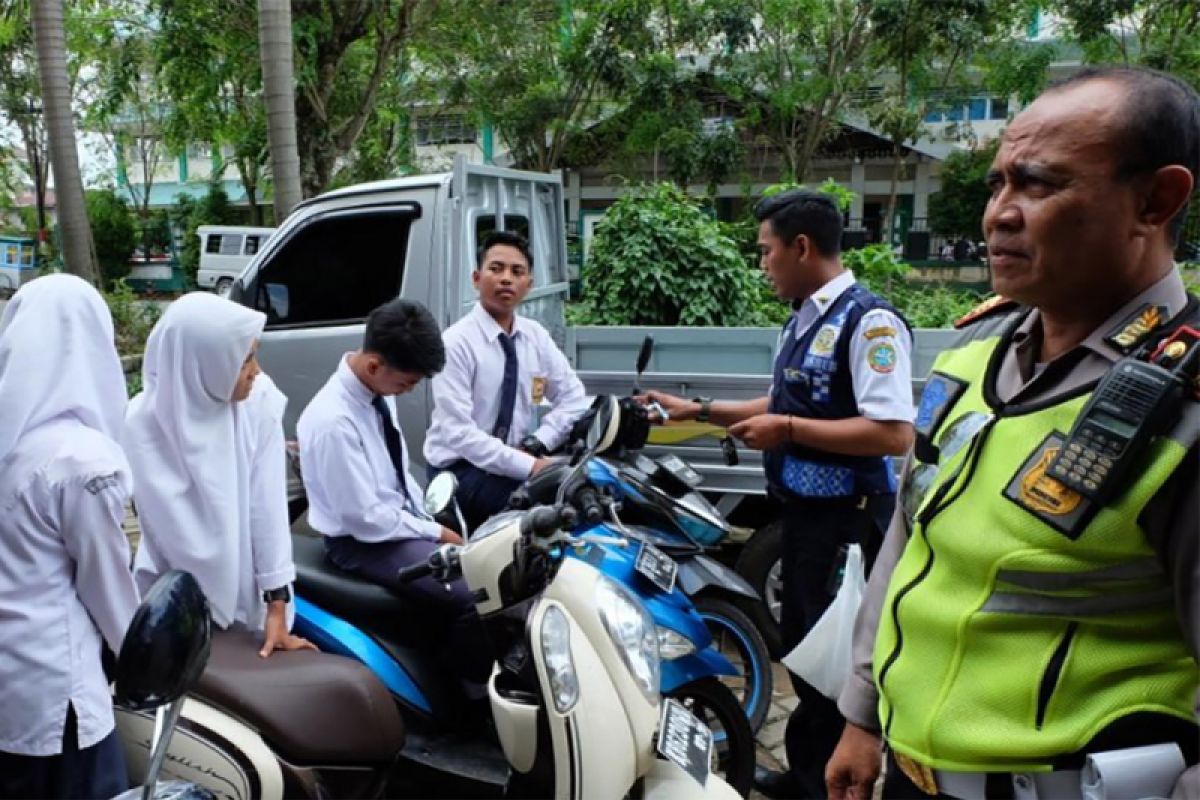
x: 164, y: 726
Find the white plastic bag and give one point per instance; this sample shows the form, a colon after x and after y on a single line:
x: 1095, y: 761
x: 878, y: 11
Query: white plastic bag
x: 824, y: 658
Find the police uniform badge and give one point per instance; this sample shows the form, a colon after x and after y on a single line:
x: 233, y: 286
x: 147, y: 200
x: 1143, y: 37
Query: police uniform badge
x: 1051, y: 501
x: 825, y: 340
x: 938, y: 396
x: 881, y: 357
x: 1130, y: 332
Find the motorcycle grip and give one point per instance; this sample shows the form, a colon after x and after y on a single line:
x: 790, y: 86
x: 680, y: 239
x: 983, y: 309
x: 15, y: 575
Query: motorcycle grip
x: 414, y: 572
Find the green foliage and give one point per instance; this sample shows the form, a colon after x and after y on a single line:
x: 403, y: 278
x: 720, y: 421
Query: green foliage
x: 114, y: 232
x: 957, y: 208
x: 133, y: 318
x: 1191, y: 276
x: 187, y: 215
x: 660, y: 259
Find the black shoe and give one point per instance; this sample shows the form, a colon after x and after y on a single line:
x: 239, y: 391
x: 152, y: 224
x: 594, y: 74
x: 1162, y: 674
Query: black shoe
x: 774, y: 784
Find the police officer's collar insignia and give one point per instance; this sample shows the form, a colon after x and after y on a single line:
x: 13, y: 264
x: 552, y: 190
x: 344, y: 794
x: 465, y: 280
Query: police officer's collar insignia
x: 1130, y: 332
x: 992, y: 305
x: 1051, y: 501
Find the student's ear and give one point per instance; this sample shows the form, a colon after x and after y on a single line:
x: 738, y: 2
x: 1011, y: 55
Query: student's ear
x: 475, y: 278
x: 802, y: 246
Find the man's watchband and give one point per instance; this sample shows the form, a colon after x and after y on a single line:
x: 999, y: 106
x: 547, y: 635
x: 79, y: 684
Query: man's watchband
x: 282, y: 593
x: 705, y: 408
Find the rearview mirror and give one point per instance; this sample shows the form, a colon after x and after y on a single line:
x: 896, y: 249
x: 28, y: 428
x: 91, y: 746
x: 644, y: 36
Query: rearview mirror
x: 167, y: 644
x: 643, y: 358
x: 440, y: 493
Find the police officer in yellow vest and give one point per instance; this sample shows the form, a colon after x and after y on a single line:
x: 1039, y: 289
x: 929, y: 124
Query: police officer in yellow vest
x: 1027, y: 615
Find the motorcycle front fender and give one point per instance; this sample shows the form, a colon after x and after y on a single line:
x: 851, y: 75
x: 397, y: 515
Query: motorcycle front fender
x: 705, y: 663
x: 668, y: 782
x: 700, y: 573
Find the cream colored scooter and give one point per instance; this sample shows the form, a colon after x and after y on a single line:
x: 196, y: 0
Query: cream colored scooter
x: 575, y: 690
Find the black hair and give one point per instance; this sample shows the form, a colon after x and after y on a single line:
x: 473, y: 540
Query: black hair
x: 800, y: 211
x: 503, y: 237
x: 406, y: 336
x: 1160, y: 123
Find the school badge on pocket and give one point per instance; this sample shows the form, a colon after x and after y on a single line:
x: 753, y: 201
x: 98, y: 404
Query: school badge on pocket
x: 539, y: 389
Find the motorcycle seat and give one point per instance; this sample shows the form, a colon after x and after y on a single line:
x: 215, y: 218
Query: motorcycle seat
x: 310, y: 707
x: 353, y: 599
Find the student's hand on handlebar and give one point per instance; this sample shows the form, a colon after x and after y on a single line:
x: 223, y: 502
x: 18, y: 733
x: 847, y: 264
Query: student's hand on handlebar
x: 677, y: 408
x: 276, y: 635
x: 762, y: 431
x: 541, y: 464
x: 450, y: 537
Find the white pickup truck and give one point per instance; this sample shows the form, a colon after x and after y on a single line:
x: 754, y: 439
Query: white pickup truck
x: 343, y: 253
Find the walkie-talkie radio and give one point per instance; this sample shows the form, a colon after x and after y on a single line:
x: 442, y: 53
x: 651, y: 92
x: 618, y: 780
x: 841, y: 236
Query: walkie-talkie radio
x: 1135, y: 400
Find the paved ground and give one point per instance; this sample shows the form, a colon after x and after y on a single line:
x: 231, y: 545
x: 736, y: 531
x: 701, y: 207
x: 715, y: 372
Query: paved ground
x: 770, y: 736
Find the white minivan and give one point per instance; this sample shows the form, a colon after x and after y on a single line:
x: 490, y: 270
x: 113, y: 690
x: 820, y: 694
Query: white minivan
x: 225, y: 250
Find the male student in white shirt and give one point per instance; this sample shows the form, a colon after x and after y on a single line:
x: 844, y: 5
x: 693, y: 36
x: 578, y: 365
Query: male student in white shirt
x: 65, y: 584
x: 500, y: 367
x: 361, y: 495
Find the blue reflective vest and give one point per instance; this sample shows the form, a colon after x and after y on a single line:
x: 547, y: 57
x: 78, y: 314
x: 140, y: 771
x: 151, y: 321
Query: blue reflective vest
x: 812, y: 379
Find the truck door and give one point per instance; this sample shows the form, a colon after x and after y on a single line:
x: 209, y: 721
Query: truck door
x: 485, y: 199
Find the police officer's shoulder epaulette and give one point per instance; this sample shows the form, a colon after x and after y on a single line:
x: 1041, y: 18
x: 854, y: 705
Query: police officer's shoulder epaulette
x: 993, y: 305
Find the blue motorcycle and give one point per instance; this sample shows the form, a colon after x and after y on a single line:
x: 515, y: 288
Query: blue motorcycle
x: 345, y: 615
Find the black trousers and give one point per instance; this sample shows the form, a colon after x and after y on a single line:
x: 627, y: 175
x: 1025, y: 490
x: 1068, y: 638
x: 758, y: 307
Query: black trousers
x: 451, y: 608
x: 96, y: 772
x: 480, y: 495
x: 814, y: 532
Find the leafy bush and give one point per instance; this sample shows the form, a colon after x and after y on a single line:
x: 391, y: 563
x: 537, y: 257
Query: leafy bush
x: 133, y: 318
x: 114, y: 232
x: 189, y: 214
x: 660, y: 259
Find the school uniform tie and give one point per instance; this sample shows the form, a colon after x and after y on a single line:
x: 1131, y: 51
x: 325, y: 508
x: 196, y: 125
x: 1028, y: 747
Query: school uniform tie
x: 508, y: 389
x: 396, y: 451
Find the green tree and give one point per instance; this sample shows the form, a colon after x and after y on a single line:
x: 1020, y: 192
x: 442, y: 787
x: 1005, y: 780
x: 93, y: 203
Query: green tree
x: 541, y: 71
x: 49, y: 37
x: 345, y: 53
x: 188, y: 214
x: 794, y: 67
x: 275, y: 49
x: 659, y: 259
x: 114, y: 231
x: 207, y: 56
x: 1163, y: 34
x: 957, y: 208
x: 926, y: 45
x: 21, y: 105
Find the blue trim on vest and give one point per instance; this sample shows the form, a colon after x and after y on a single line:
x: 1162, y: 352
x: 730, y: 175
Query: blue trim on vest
x: 812, y: 379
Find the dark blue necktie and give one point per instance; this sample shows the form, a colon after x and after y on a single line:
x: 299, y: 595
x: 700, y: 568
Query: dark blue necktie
x: 508, y: 389
x: 391, y: 437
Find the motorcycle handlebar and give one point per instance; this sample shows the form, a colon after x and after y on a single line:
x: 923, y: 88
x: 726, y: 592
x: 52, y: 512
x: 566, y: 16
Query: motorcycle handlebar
x: 544, y: 520
x: 588, y: 502
x: 415, y: 572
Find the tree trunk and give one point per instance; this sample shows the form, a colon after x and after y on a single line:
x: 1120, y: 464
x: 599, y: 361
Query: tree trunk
x: 275, y: 46
x: 79, y: 250
x: 889, y: 220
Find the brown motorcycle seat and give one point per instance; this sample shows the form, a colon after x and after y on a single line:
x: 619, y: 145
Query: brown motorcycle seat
x: 311, y: 708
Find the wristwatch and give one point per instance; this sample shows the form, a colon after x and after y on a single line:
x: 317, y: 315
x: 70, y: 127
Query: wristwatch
x: 705, y: 408
x: 533, y: 445
x: 282, y: 593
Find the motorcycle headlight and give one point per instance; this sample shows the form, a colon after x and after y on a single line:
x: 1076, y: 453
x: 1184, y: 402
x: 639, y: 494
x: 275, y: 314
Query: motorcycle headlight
x: 632, y: 630
x: 673, y: 645
x: 556, y: 650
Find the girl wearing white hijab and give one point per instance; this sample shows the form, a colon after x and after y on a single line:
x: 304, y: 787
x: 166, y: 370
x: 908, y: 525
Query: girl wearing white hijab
x: 205, y: 440
x: 64, y: 559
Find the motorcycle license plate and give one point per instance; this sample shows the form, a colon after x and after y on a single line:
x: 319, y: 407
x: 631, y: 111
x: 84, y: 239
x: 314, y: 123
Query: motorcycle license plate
x: 656, y: 565
x: 685, y: 740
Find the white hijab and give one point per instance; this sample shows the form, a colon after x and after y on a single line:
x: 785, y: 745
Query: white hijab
x: 58, y: 360
x: 181, y: 438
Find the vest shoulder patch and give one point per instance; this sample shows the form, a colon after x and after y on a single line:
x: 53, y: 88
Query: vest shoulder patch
x: 994, y: 304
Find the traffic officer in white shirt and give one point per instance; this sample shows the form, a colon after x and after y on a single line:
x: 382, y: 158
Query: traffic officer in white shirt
x: 839, y: 406
x: 500, y: 369
x: 361, y: 495
x: 65, y: 584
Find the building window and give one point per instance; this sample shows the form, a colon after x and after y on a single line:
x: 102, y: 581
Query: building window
x: 199, y: 150
x: 445, y: 129
x: 999, y: 108
x: 977, y: 108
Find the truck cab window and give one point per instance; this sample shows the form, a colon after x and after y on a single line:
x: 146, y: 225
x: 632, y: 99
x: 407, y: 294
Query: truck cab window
x: 335, y: 270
